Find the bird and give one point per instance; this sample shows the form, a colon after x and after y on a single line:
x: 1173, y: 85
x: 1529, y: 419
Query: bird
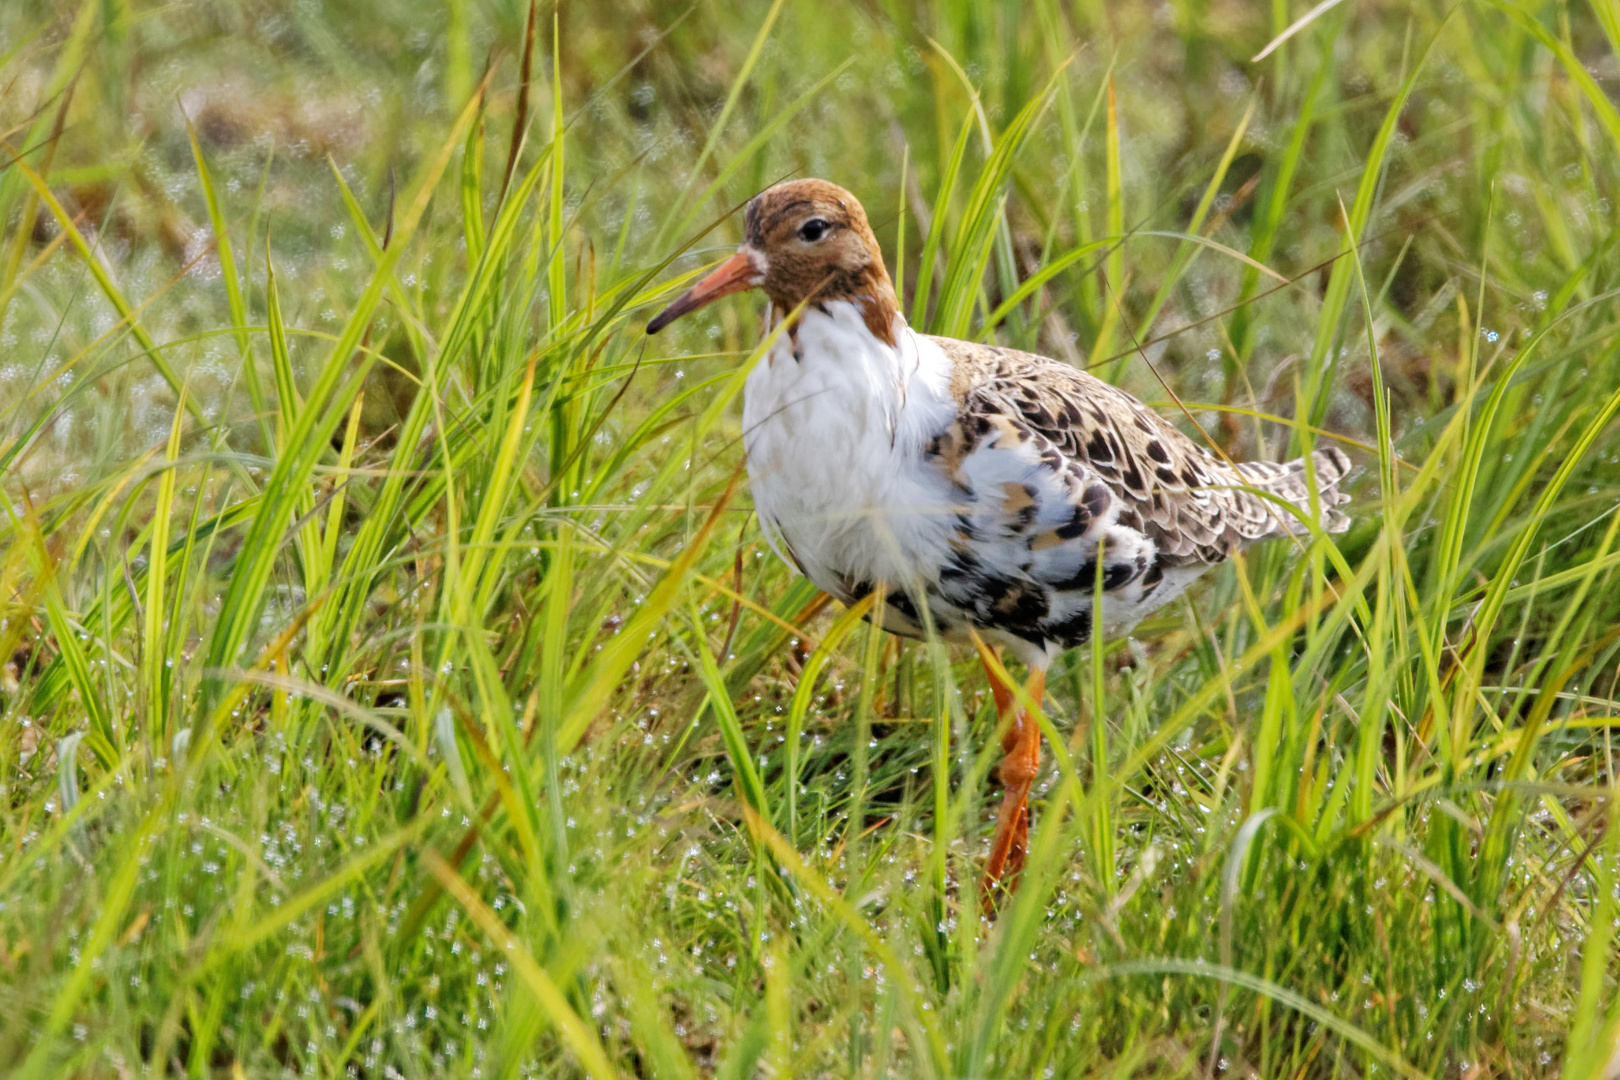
x: 988, y: 495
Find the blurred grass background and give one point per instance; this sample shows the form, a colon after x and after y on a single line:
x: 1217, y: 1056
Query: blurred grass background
x: 397, y: 685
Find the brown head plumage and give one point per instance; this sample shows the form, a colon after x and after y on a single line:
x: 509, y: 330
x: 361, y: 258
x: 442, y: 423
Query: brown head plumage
x: 804, y: 240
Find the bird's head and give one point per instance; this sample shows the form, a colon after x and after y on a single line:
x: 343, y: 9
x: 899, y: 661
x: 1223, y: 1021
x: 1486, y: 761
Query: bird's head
x: 803, y: 240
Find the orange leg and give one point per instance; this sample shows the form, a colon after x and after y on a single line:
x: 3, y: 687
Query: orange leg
x: 1021, y: 743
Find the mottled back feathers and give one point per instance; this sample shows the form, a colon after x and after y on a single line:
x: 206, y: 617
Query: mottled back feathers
x: 1189, y: 502
x: 1067, y: 485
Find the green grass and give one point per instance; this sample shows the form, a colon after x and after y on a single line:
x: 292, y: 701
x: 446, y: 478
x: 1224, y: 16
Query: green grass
x: 397, y: 684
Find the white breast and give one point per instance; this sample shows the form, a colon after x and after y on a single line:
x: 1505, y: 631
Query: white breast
x: 834, y: 425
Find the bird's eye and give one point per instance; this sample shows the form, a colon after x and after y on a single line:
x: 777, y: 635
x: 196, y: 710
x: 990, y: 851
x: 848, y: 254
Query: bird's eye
x: 814, y: 230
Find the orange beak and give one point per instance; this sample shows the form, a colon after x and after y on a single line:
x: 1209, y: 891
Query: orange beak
x: 732, y: 276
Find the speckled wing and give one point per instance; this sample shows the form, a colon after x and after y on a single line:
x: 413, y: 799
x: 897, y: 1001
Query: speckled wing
x: 1022, y: 560
x: 1193, y: 506
x: 1048, y: 462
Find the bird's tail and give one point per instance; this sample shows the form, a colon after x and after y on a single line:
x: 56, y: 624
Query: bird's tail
x: 1290, y: 482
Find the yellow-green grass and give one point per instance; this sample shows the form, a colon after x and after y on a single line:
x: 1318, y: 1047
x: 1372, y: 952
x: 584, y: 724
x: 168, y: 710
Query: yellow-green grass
x: 398, y: 685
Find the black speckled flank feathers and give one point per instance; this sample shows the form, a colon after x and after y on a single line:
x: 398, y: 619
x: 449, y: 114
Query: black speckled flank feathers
x: 1052, y: 464
x: 1191, y: 504
x: 1054, y: 471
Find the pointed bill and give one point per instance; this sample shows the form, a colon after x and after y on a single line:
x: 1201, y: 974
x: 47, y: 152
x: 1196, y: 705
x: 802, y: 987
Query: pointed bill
x: 741, y: 271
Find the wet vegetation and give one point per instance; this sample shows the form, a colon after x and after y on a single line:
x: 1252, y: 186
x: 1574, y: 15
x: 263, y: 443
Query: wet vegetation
x: 397, y: 685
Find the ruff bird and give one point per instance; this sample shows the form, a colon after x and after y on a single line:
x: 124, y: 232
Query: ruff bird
x: 989, y: 494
